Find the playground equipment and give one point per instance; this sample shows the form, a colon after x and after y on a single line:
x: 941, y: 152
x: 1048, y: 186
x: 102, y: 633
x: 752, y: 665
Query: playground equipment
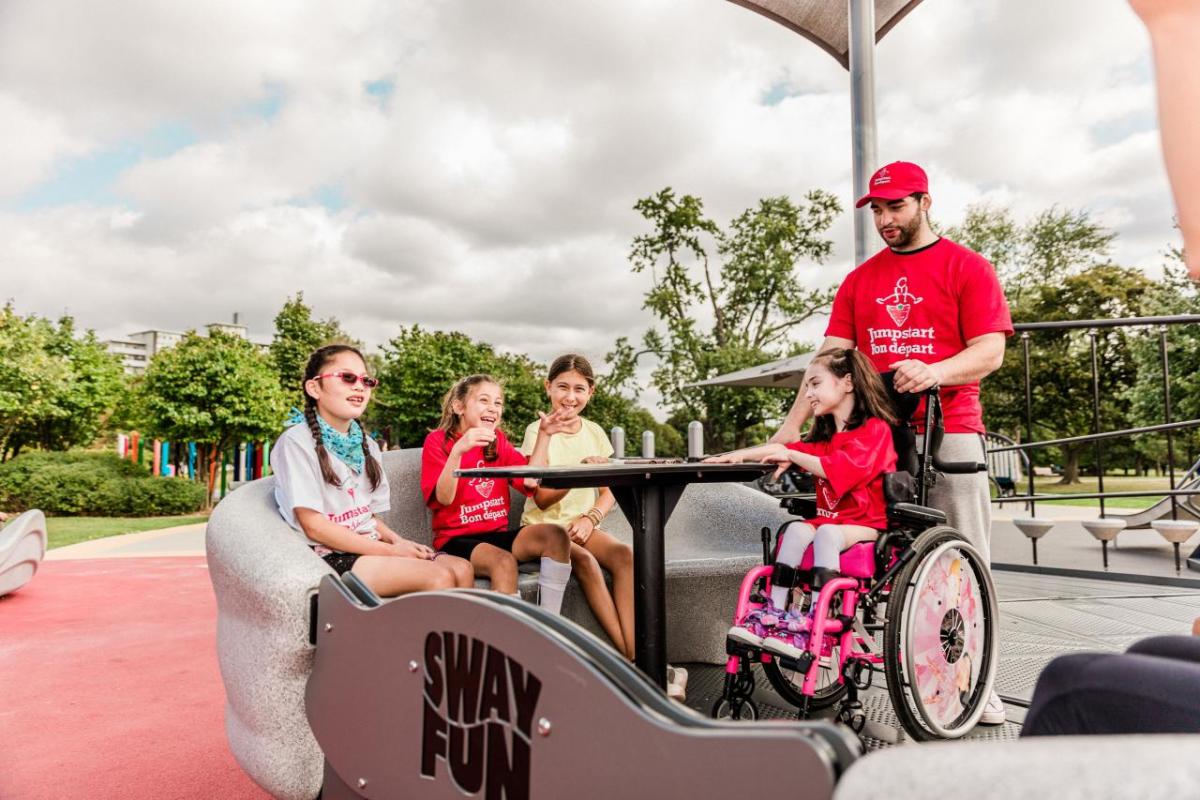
x: 22, y: 548
x: 265, y: 579
x: 938, y: 634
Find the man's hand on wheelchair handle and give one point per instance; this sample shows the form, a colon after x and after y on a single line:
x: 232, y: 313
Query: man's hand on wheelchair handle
x: 915, y: 376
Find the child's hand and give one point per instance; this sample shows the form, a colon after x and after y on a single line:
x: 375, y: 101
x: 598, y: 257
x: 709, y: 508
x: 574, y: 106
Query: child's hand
x: 783, y: 462
x: 595, y: 460
x: 555, y: 421
x: 580, y: 529
x: 406, y: 549
x: 726, y: 458
x: 474, y: 437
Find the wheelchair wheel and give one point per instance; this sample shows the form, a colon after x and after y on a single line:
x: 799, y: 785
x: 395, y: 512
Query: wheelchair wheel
x: 737, y: 709
x: 787, y: 682
x: 939, y: 637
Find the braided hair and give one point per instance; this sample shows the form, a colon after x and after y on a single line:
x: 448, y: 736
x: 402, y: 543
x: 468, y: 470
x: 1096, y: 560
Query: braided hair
x: 316, y: 363
x: 870, y: 395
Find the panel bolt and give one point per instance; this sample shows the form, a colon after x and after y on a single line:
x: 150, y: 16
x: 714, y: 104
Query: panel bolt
x: 543, y: 727
x: 328, y: 627
x: 413, y: 666
x: 362, y: 783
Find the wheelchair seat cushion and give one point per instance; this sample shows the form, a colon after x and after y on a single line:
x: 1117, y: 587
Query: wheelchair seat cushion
x: 857, y: 561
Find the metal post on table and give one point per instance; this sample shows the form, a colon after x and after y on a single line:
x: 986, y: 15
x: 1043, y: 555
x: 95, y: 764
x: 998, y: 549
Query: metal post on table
x: 617, y: 437
x: 1166, y: 376
x: 647, y: 444
x: 695, y: 440
x: 1096, y: 426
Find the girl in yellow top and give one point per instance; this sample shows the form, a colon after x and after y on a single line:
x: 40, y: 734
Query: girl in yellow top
x: 570, y: 386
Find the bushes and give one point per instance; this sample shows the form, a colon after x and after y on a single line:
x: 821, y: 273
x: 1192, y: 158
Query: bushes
x: 99, y: 484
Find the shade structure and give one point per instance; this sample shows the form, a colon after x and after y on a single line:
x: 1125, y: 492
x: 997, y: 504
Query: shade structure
x: 785, y: 373
x: 826, y: 23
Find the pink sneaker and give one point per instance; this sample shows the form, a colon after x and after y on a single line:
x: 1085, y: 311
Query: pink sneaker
x: 783, y: 643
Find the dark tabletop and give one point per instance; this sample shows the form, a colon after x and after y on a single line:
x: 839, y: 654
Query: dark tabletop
x: 628, y: 472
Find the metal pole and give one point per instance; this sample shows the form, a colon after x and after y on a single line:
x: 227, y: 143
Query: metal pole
x: 1096, y: 427
x: 1029, y: 425
x: 1166, y: 376
x: 617, y: 437
x: 862, y: 116
x: 647, y: 444
x: 695, y: 440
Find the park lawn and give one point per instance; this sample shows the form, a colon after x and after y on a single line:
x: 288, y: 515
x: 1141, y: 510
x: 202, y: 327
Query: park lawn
x: 1112, y: 483
x: 63, y: 531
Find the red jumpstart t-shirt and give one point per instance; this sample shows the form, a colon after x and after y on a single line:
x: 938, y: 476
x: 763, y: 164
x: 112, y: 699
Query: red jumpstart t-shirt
x: 923, y: 305
x: 481, y: 505
x: 851, y: 493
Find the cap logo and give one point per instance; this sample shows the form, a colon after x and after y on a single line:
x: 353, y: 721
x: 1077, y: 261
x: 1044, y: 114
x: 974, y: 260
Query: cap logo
x: 882, y: 177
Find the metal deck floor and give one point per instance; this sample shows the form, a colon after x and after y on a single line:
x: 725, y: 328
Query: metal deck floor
x: 1041, y: 617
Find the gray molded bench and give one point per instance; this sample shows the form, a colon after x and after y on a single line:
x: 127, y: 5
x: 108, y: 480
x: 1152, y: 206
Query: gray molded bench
x: 264, y: 577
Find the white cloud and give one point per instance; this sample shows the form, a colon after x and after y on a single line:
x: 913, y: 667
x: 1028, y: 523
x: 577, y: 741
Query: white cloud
x: 489, y: 187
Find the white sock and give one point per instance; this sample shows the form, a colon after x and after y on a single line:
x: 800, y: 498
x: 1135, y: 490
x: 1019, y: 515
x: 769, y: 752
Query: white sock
x: 797, y: 536
x: 552, y: 584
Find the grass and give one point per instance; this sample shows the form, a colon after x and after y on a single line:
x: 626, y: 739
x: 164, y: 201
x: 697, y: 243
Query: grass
x: 63, y: 531
x: 1089, y: 484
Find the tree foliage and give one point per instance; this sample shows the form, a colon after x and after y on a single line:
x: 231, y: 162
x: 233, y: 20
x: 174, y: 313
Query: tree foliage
x: 724, y: 300
x: 216, y: 390
x: 297, y: 335
x: 1056, y: 267
x: 57, y: 385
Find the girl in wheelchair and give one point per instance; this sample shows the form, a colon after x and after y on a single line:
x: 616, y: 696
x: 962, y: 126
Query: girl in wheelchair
x: 847, y: 451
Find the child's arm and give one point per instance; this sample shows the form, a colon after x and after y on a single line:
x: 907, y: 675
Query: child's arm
x: 763, y: 452
x: 548, y: 425
x: 447, y: 484
x: 805, y: 461
x: 580, y: 529
x: 390, y: 536
x: 319, y: 528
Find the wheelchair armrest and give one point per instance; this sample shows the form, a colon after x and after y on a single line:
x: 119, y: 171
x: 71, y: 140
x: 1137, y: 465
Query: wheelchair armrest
x: 800, y: 505
x: 915, y: 515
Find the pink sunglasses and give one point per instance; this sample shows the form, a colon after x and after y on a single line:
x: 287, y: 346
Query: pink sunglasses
x: 349, y: 378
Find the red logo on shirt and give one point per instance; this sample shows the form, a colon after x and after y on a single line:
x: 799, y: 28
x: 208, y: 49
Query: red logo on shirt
x: 900, y: 302
x: 482, y: 485
x: 831, y: 499
x: 350, y: 491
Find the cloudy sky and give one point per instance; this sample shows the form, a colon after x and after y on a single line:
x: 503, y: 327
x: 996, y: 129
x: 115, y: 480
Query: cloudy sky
x: 472, y: 165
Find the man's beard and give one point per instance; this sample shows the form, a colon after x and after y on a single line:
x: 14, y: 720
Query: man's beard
x: 908, y: 233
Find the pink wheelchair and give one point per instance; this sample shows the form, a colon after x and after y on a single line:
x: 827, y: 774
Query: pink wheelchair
x: 917, y: 605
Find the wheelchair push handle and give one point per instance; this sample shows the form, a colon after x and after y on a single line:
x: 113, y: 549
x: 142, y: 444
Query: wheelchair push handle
x: 935, y: 431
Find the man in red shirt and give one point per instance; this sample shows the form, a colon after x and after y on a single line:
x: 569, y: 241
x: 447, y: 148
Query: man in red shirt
x: 933, y: 312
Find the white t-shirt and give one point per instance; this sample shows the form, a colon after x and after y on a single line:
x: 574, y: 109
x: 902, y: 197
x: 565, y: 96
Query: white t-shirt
x: 298, y: 484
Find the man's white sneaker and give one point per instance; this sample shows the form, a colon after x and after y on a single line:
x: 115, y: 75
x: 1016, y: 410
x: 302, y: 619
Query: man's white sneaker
x: 993, y: 712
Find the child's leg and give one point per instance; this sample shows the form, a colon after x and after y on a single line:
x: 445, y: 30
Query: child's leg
x: 550, y: 544
x: 831, y: 540
x: 459, y: 568
x: 497, y: 565
x: 796, y: 538
x: 617, y: 557
x: 586, y: 569
x: 390, y: 576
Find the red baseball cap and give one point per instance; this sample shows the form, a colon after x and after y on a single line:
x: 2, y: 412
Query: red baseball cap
x: 897, y: 180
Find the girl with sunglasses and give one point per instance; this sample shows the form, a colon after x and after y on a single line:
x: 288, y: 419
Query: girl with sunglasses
x: 330, y: 485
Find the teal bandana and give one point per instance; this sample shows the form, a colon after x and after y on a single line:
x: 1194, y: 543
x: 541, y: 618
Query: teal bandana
x: 348, y: 447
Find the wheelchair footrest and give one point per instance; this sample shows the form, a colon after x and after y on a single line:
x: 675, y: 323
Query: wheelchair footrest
x: 800, y: 664
x: 740, y: 649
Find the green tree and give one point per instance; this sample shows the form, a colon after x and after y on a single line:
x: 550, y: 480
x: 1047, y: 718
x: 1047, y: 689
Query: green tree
x: 1055, y: 267
x: 57, y: 385
x: 1173, y: 294
x: 297, y: 334
x: 420, y: 366
x: 725, y: 300
x: 214, y: 390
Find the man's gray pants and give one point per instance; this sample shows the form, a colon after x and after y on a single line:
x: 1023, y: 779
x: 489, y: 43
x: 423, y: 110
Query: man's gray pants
x: 965, y: 499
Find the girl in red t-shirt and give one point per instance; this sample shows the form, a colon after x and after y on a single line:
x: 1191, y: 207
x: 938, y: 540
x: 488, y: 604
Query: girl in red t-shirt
x: 848, y: 450
x: 470, y: 516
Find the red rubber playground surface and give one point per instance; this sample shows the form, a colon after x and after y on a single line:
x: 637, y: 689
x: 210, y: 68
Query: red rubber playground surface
x: 110, y: 686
